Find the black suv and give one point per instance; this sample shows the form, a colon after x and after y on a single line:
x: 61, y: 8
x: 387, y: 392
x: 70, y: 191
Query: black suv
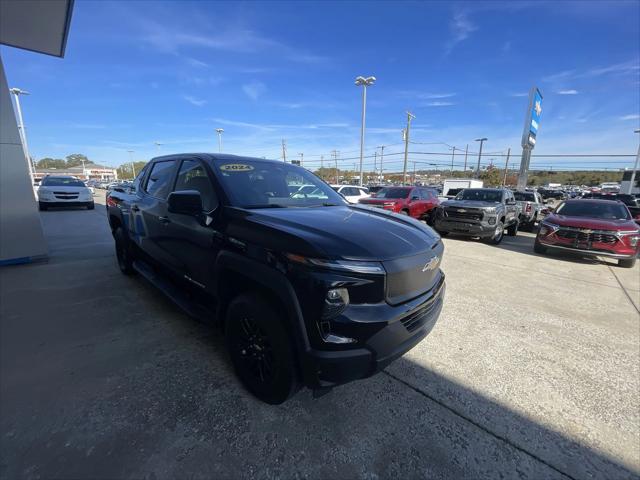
x: 307, y: 288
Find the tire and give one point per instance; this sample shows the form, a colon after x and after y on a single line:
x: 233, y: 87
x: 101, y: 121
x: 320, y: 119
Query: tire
x: 404, y: 212
x: 442, y: 234
x: 91, y: 206
x: 43, y: 207
x: 512, y: 231
x: 261, y: 349
x: 498, y: 235
x: 124, y: 251
x: 538, y: 248
x: 627, y: 262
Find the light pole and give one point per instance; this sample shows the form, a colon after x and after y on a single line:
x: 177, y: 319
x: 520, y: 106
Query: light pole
x: 219, y: 131
x: 364, y: 83
x: 133, y: 168
x: 635, y: 168
x: 481, y: 140
x: 23, y: 134
x: 158, y: 144
x: 453, y: 156
x: 410, y: 116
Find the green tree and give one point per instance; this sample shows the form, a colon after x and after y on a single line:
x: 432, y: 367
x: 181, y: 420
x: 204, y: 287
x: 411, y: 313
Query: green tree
x: 48, y: 162
x: 76, y: 159
x: 492, y: 177
x: 125, y: 172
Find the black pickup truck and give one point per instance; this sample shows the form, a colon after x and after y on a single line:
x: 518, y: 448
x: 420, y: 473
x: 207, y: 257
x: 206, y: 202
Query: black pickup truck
x: 479, y: 212
x: 308, y: 289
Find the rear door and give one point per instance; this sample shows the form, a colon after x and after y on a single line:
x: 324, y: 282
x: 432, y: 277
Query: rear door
x: 152, y: 209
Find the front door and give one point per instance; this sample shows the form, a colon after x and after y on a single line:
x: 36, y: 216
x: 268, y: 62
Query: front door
x: 195, y: 239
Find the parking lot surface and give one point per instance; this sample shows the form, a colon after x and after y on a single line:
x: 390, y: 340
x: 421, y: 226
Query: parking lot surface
x: 532, y: 371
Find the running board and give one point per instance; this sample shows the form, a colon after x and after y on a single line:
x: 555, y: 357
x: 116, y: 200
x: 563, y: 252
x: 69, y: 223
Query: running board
x: 175, y: 293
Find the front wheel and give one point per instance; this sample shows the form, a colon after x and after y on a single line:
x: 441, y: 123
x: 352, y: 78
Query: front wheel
x: 91, y: 206
x: 627, y: 262
x: 498, y: 234
x: 512, y: 231
x: 404, y: 212
x: 260, y: 348
x: 124, y: 251
x: 538, y: 248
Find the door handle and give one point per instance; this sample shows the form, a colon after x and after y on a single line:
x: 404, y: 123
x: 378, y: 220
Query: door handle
x: 164, y: 220
x: 135, y: 208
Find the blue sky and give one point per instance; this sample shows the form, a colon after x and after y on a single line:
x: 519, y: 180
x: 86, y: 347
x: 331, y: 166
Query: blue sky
x: 137, y: 73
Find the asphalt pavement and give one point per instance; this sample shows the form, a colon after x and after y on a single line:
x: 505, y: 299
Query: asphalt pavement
x: 532, y: 371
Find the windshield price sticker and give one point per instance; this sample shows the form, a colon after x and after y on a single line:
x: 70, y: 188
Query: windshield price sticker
x: 236, y: 167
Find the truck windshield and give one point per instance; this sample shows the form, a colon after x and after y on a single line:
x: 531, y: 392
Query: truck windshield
x: 253, y: 183
x: 393, y: 193
x: 480, y: 194
x: 594, y: 209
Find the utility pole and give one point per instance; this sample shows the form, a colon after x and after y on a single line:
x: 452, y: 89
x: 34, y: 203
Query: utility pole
x: 635, y: 169
x: 322, y: 167
x: 284, y: 150
x: 381, y: 158
x: 506, y: 167
x: 481, y: 140
x: 334, y: 153
x: 410, y: 117
x: 453, y: 156
x: 466, y: 151
x: 375, y: 162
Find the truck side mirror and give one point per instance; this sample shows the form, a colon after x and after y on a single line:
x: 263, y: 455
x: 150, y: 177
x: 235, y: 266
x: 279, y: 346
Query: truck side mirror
x: 185, y: 202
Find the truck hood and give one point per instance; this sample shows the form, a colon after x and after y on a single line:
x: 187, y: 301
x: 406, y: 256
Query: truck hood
x: 341, y: 232
x: 469, y: 204
x: 591, y: 223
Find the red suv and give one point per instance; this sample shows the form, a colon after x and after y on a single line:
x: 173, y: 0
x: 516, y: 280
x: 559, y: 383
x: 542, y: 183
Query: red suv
x: 417, y: 202
x: 593, y: 228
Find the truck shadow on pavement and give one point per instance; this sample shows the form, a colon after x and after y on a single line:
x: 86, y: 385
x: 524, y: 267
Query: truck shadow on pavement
x: 103, y: 376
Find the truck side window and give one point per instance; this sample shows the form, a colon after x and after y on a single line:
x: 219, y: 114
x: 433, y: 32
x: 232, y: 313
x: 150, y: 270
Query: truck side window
x: 193, y: 176
x: 159, y: 180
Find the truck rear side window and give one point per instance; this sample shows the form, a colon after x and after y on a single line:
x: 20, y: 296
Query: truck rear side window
x: 159, y: 180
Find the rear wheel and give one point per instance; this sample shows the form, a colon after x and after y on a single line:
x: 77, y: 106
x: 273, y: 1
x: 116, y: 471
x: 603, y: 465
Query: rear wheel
x: 538, y: 248
x: 124, y: 251
x: 261, y: 349
x: 627, y: 262
x: 498, y: 234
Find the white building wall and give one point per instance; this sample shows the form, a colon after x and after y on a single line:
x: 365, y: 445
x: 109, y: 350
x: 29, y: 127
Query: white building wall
x: 21, y: 236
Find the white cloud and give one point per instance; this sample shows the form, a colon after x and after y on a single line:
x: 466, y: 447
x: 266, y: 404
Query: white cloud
x: 254, y: 89
x: 567, y: 92
x: 630, y: 117
x: 440, y: 104
x: 198, y: 102
x: 194, y: 62
x: 519, y: 94
x: 461, y: 27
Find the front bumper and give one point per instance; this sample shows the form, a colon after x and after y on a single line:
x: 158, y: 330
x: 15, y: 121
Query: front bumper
x: 65, y: 203
x: 405, y: 326
x: 588, y: 252
x: 469, y: 228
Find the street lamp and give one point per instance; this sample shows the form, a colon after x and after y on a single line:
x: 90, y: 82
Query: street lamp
x: 364, y: 83
x: 635, y: 168
x: 219, y: 131
x: 23, y: 134
x: 481, y: 140
x: 133, y: 168
x: 158, y: 144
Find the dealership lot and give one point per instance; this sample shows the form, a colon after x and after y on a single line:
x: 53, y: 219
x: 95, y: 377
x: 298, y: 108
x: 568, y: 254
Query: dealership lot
x: 532, y: 371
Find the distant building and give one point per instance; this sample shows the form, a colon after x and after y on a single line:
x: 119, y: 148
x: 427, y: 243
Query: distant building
x: 89, y: 172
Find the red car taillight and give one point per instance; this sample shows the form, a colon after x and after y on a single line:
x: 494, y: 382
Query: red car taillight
x: 528, y: 208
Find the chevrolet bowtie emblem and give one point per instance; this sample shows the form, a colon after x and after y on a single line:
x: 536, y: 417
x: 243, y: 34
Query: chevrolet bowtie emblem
x: 431, y: 264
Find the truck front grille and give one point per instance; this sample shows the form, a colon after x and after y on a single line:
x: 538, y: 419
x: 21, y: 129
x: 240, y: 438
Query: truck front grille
x: 66, y: 195
x: 416, y: 319
x: 463, y: 213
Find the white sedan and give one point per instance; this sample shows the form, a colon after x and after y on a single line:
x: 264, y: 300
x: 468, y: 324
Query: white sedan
x: 351, y: 193
x: 64, y: 191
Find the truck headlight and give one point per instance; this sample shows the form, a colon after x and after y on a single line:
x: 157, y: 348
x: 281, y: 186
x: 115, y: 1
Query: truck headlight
x: 342, y: 265
x: 547, y: 228
x: 492, y: 221
x: 336, y: 300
